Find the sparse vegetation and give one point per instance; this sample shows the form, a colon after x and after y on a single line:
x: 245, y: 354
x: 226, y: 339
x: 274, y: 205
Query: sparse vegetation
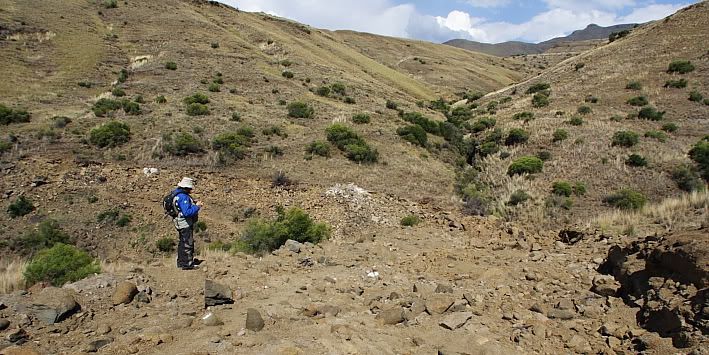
x: 262, y: 236
x: 8, y: 115
x: 300, y: 110
x: 700, y: 154
x: 319, y: 148
x: 625, y: 139
x: 539, y: 87
x: 47, y: 235
x: 323, y: 91
x: 636, y: 160
x: 518, y: 197
x: 659, y: 135
x: 696, y: 96
x: 525, y: 116
x: 483, y: 124
x: 617, y: 35
x: 544, y: 155
x: 575, y: 121
x: 584, y: 110
x: 110, y: 4
x: 171, y: 66
x: 670, y: 127
x: 60, y: 264
x: 354, y: 147
x: 650, y: 113
x: 161, y: 99
x: 214, y: 87
x: 638, y: 101
x: 20, y: 207
x: 410, y: 221
x: 104, y: 106
x: 391, y: 105
x: 60, y: 121
x: 626, y: 199
x: 231, y: 145
x: 110, y: 134
x: 517, y: 136
x: 681, y: 67
x: 579, y: 66
x: 560, y: 135
x: 288, y: 74
x: 591, y: 99
x: 634, y: 85
x: 280, y: 179
x: 198, y: 98
x: 183, y: 144
x: 687, y: 178
x: 676, y: 84
x: 197, y: 109
x: 361, y: 118
x: 118, y: 92
x: 413, y: 134
x: 165, y: 245
x: 525, y: 165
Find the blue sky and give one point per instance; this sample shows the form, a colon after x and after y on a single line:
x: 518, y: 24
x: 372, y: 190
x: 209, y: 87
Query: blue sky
x: 491, y: 21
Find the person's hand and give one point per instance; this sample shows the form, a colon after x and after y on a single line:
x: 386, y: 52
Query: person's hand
x: 199, y: 204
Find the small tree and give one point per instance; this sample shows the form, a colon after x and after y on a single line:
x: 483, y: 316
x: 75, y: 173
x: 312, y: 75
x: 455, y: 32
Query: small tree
x: 60, y: 264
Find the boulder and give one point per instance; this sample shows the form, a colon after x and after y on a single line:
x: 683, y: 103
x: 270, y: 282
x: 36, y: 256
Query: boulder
x: 4, y: 324
x: 441, y: 288
x: 438, y: 304
x: 605, y: 285
x: 211, y: 320
x: 53, y: 305
x: 216, y: 294
x: 391, y: 316
x: 456, y: 320
x: 124, y: 293
x: 254, y: 322
x: 293, y: 246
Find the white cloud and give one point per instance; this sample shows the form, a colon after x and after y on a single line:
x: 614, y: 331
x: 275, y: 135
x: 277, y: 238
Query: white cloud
x: 580, y: 5
x: 488, y: 3
x: 651, y: 13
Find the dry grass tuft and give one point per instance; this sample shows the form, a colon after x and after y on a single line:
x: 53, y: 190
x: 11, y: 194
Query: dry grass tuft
x: 11, y: 278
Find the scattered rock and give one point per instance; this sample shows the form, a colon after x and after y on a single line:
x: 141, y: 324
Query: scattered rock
x: 441, y: 288
x: 18, y: 336
x: 53, y: 305
x: 142, y: 297
x: 254, y: 322
x: 125, y: 291
x: 216, y: 294
x: 563, y: 314
x: 293, y: 246
x: 211, y: 320
x: 391, y: 316
x: 103, y: 329
x: 605, y: 285
x: 455, y: 320
x: 97, y: 344
x: 4, y: 324
x: 438, y: 304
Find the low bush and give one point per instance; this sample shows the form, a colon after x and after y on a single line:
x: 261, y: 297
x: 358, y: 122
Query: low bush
x: 5, y: 146
x: 517, y: 136
x: 410, y: 221
x: 122, y: 76
x: 165, y: 245
x: 262, y: 236
x: 231, y: 145
x: 288, y: 74
x: 687, y: 178
x: 274, y: 131
x: 274, y: 151
x: 391, y: 105
x: 104, y: 106
x: 110, y: 134
x: 591, y: 99
x: 20, y: 207
x: 214, y: 87
x: 625, y: 139
x: 161, y: 99
x: 538, y: 88
x: 696, y: 96
x: 518, y: 197
x: 584, y: 110
x: 300, y: 110
x: 45, y: 236
x: 636, y: 160
x: 197, y: 109
x: 214, y: 45
x: 560, y: 135
x: 670, y: 127
x: 681, y: 67
x: 318, y: 148
x: 650, y: 113
x: 626, y: 199
x: 525, y: 116
x: 171, y: 66
x: 323, y: 91
x: 544, y: 155
x: 197, y: 98
x: 280, y: 179
x: 638, y: 101
x: 339, y: 89
x: 676, y: 84
x: 540, y: 100
x: 361, y: 118
x: 634, y: 85
x: 579, y: 66
x: 659, y: 135
x: 562, y: 188
x: 700, y: 154
x: 575, y: 121
x: 131, y: 108
x: 183, y: 144
x: 413, y: 134
x: 617, y: 35
x: 483, y: 124
x: 429, y: 125
x: 59, y: 265
x: 110, y: 4
x: 349, y: 100
x: 118, y: 92
x: 525, y: 165
x: 354, y: 147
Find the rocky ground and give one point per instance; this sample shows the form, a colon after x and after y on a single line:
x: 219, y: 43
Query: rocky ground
x: 451, y: 285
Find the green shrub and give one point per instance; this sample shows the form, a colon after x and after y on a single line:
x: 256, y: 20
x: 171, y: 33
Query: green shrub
x: 361, y: 118
x: 231, y: 145
x: 579, y: 66
x: 670, y: 127
x: 183, y: 144
x: 118, y: 92
x: 518, y: 197
x: 171, y: 66
x: 687, y: 179
x: 706, y: 102
x: 591, y: 99
x: 525, y: 116
x: 525, y: 165
x: 676, y: 84
x: 410, y: 221
x: 131, y: 108
x: 274, y: 131
x: 575, y: 121
x: 560, y: 135
x: 110, y: 134
x: 200, y: 226
x: 122, y: 76
x: 426, y: 123
x: 391, y: 105
x: 650, y: 113
x: 659, y: 135
x: 680, y: 66
x: 197, y: 109
x: 540, y: 100
x: 339, y: 89
x: 219, y: 246
x: 483, y: 124
x: 300, y: 110
x: 579, y: 188
x: 584, y: 110
x: 488, y: 148
x: 5, y: 146
x: 319, y: 148
x: 361, y: 153
x: 354, y: 147
x: 439, y: 105
x: 544, y: 155
x: 323, y: 91
x: 696, y: 96
x: 638, y: 101
x: 161, y: 99
x: 47, y: 234
x: 538, y: 88
x: 214, y: 87
x: 562, y: 188
x: 104, y: 106
x: 413, y: 134
x: 617, y: 35
x: 636, y: 160
x: 700, y: 154
x: 197, y: 98
x: 634, y: 85
x: 261, y: 236
x: 625, y: 139
x: 626, y: 199
x: 274, y: 151
x: 124, y: 220
x: 349, y: 100
x: 214, y: 45
x: 108, y: 216
x: 60, y: 264
x: 288, y: 74
x: 165, y: 245
x: 517, y: 136
x: 22, y: 206
x: 459, y: 115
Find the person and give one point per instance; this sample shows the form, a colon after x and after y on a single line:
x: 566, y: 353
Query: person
x: 187, y: 215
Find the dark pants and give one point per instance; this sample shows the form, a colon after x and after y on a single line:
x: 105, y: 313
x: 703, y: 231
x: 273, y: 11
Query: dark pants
x: 185, y: 248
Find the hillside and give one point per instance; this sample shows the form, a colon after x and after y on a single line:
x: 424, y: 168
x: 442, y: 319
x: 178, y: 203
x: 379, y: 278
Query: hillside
x: 383, y: 162
x: 590, y: 38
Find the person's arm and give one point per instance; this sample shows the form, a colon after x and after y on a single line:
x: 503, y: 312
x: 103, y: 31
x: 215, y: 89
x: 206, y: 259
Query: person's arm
x: 188, y: 209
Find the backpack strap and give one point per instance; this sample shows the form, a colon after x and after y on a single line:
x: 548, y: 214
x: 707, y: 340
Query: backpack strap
x: 175, y: 205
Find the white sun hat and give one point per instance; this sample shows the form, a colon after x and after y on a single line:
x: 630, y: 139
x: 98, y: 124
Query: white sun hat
x: 186, y: 183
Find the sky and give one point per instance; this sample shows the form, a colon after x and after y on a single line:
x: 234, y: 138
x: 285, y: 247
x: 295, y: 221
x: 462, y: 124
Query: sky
x: 490, y: 21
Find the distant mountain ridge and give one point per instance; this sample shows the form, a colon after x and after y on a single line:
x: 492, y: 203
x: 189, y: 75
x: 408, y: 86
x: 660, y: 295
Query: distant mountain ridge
x: 506, y: 49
